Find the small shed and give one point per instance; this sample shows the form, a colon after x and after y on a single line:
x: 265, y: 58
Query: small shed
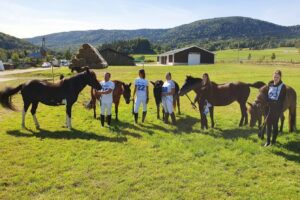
x: 114, y: 57
x: 192, y: 55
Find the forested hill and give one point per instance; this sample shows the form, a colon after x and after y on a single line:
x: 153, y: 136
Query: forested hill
x: 198, y: 32
x: 8, y: 42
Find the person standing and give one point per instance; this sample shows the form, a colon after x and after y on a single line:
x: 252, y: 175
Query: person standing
x: 106, y: 98
x: 275, y: 98
x: 141, y: 94
x: 168, y: 90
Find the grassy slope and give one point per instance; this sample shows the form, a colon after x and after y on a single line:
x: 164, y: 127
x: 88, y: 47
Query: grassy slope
x: 153, y: 160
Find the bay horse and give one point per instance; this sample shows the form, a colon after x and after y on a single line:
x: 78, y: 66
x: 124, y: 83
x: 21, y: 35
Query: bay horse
x: 121, y: 88
x: 157, y: 89
x: 220, y: 95
x: 51, y: 94
x: 259, y: 108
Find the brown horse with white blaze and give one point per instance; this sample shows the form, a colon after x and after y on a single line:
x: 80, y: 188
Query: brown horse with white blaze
x: 259, y: 108
x: 220, y: 95
x: 121, y: 88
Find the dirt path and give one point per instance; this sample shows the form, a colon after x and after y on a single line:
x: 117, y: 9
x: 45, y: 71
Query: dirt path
x: 21, y: 71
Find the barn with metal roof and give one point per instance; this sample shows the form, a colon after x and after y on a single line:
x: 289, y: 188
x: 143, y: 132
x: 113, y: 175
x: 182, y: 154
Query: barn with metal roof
x: 192, y: 55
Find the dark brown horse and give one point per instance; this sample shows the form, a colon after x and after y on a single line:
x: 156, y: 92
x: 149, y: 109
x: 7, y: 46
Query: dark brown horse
x: 157, y: 89
x: 36, y: 91
x: 220, y: 95
x: 259, y: 108
x: 120, y: 89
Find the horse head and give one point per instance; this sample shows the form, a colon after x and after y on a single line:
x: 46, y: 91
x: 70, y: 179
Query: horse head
x: 91, y: 79
x: 127, y: 92
x: 157, y: 89
x: 189, y: 84
x: 256, y: 111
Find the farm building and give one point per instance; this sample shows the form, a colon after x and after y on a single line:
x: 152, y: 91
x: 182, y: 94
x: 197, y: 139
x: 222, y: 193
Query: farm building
x: 192, y: 55
x: 113, y: 57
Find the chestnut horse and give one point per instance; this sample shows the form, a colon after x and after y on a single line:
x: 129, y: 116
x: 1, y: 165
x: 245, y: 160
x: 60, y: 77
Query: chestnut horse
x: 51, y: 94
x: 120, y: 89
x: 260, y: 108
x: 157, y: 89
x: 220, y: 95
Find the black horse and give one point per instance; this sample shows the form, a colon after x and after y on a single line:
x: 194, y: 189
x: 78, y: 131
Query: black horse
x: 220, y: 95
x: 157, y: 89
x: 36, y: 91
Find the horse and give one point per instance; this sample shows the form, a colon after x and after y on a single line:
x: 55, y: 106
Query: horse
x: 51, y: 94
x: 220, y: 95
x: 259, y: 108
x: 121, y: 88
x: 157, y: 89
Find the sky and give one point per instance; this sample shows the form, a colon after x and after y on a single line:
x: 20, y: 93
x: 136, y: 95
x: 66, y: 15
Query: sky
x: 29, y: 18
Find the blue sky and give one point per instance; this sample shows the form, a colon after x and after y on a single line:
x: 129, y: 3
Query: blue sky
x: 30, y: 18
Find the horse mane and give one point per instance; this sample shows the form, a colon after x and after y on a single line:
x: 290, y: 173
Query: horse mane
x: 193, y: 79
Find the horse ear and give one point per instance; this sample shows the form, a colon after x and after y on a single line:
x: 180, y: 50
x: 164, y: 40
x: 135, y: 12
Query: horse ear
x: 152, y: 83
x: 250, y: 104
x: 87, y: 69
x: 129, y: 84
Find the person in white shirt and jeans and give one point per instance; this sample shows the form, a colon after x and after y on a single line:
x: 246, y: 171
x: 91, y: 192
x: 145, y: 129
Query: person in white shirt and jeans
x: 106, y: 98
x: 141, y: 94
x: 168, y: 90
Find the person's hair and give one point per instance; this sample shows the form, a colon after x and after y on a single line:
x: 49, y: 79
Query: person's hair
x: 142, y: 73
x: 169, y: 73
x: 208, y: 79
x: 278, y: 72
x: 108, y: 74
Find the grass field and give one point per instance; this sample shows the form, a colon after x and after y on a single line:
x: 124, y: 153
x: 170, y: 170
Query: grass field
x: 285, y: 55
x: 151, y: 160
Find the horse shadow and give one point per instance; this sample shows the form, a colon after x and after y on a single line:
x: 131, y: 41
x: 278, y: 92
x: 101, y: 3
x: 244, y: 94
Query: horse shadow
x: 66, y: 134
x: 120, y: 126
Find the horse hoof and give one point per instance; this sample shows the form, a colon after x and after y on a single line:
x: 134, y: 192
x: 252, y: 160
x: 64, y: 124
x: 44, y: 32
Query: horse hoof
x: 267, y: 144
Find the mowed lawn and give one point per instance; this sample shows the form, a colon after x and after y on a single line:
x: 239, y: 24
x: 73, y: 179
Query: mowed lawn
x: 150, y: 160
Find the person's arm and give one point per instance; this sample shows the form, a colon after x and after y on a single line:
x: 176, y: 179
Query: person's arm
x: 106, y: 92
x: 147, y: 91
x: 134, y: 91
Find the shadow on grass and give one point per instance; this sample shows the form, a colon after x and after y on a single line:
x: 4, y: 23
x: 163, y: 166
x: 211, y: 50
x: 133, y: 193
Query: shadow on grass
x: 74, y: 134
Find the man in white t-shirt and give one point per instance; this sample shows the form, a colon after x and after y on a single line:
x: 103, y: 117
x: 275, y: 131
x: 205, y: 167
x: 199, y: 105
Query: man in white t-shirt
x: 168, y: 90
x: 141, y: 92
x: 106, y: 98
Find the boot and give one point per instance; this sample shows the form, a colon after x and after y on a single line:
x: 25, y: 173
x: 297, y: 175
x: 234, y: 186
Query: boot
x: 102, y: 117
x: 144, y: 116
x: 173, y: 118
x: 136, y: 116
x: 108, y: 119
x: 166, y: 120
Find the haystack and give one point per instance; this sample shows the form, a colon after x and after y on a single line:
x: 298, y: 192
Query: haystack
x: 88, y: 56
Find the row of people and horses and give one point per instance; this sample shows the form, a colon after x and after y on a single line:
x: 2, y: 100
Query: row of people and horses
x: 273, y: 99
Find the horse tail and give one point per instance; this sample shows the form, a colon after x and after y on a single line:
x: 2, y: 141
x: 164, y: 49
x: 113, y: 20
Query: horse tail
x: 5, y: 97
x: 292, y: 118
x: 257, y: 84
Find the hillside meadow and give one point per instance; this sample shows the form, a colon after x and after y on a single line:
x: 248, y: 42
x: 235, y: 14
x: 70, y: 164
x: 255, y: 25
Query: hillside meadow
x: 151, y: 160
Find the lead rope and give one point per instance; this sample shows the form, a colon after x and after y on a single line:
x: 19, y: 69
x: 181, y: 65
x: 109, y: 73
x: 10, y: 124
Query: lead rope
x: 193, y: 105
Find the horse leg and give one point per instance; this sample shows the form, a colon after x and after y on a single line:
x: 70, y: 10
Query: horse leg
x: 157, y: 111
x: 178, y: 105
x: 282, y: 118
x: 33, y: 113
x: 117, y: 110
x: 68, y: 112
x: 243, y: 115
x: 26, y: 106
x: 211, y: 113
x: 94, y: 108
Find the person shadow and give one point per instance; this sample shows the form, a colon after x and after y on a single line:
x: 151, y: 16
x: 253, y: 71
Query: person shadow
x: 66, y: 134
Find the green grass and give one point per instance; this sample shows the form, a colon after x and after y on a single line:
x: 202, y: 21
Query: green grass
x: 282, y: 55
x: 151, y: 160
x: 148, y: 57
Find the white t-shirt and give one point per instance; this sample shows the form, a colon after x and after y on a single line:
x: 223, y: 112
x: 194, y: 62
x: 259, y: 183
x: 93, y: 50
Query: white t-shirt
x: 167, y: 87
x: 141, y: 87
x: 105, y: 87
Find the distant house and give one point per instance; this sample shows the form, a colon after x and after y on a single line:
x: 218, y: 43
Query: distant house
x: 192, y: 55
x: 113, y: 57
